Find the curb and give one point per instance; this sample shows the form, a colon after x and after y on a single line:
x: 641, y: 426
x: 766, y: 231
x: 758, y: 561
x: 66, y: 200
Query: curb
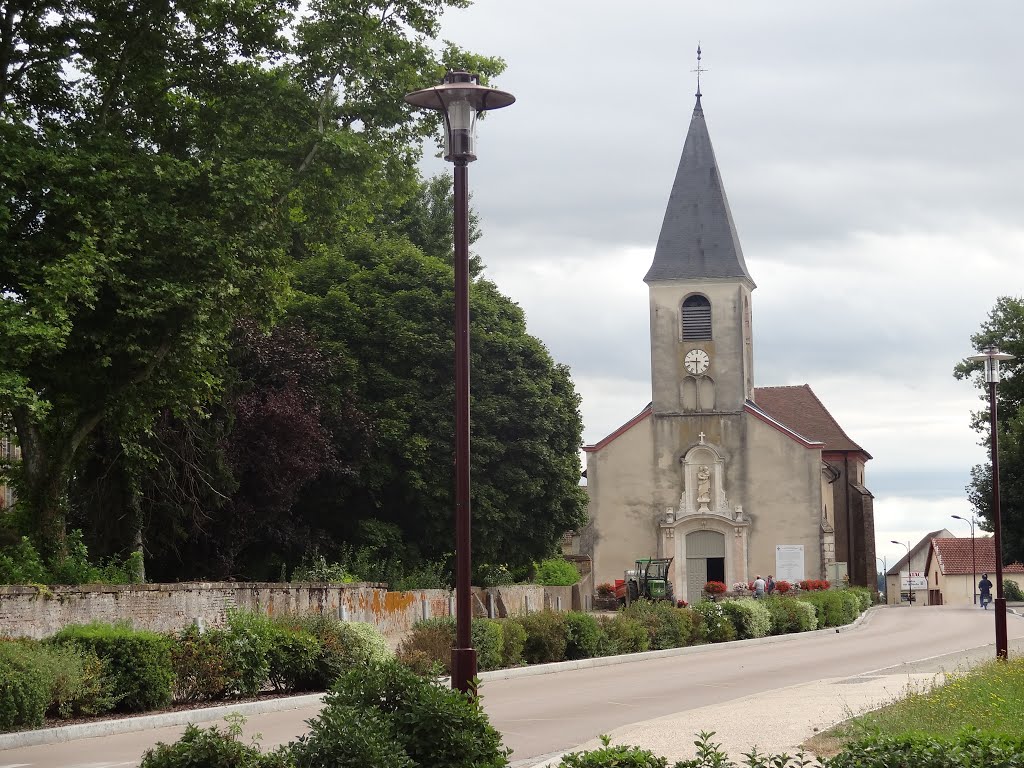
x: 209, y: 714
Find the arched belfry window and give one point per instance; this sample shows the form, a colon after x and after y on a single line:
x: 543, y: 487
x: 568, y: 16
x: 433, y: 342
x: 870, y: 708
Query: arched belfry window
x: 696, y: 318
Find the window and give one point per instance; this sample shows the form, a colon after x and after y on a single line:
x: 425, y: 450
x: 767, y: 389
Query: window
x: 696, y: 319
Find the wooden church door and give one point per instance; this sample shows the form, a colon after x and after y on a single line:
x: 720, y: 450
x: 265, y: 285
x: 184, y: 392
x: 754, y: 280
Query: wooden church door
x: 705, y: 561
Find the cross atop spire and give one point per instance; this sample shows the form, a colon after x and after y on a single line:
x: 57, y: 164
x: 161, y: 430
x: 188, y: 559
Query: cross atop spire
x: 698, y: 70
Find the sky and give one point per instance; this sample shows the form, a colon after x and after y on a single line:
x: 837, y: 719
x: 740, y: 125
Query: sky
x: 871, y: 153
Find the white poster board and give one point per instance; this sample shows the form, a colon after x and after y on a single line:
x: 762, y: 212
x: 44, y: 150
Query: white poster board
x: 789, y: 562
x: 913, y: 580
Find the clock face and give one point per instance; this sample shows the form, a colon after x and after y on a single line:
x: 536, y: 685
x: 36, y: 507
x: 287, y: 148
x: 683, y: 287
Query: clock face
x: 696, y: 361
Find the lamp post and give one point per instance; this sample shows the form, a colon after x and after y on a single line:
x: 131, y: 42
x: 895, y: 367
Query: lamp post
x: 991, y: 357
x: 885, y: 576
x: 910, y: 579
x: 460, y: 99
x: 974, y: 559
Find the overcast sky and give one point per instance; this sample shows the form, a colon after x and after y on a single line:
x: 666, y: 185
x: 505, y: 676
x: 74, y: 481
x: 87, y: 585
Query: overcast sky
x: 872, y: 157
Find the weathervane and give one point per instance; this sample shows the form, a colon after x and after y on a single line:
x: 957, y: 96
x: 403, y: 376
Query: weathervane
x: 698, y: 70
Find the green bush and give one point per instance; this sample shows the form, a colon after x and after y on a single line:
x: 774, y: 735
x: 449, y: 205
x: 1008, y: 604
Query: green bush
x: 365, y: 643
x: 488, y: 575
x: 25, y: 685
x: 249, y: 636
x: 666, y: 625
x: 582, y: 635
x: 80, y: 686
x: 970, y: 750
x: 613, y: 756
x: 137, y: 663
x: 1012, y: 590
x: 749, y: 617
x: 21, y: 563
x: 202, y: 665
x: 212, y: 748
x: 343, y: 736
x: 513, y: 640
x: 292, y: 659
x: 790, y: 615
x: 834, y: 607
x: 429, y: 574
x: 556, y: 572
x: 428, y: 648
x: 546, y: 637
x: 488, y: 640
x: 865, y: 597
x: 715, y: 626
x: 417, y: 714
x: 623, y: 635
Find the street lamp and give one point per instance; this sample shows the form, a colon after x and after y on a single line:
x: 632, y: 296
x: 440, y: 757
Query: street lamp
x: 885, y: 576
x: 910, y: 579
x: 974, y: 559
x: 991, y: 357
x: 460, y: 99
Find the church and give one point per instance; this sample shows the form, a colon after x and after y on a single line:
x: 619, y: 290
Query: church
x: 729, y: 479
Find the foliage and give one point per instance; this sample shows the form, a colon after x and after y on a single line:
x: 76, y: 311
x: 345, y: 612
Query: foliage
x: 749, y: 617
x: 546, y: 636
x: 137, y: 663
x: 782, y: 587
x: 864, y: 595
x: 80, y: 687
x: 813, y: 585
x: 582, y: 635
x: 25, y: 685
x: 292, y: 659
x: 714, y: 626
x: 488, y: 640
x: 428, y: 648
x: 202, y: 664
x: 1012, y: 590
x: 623, y: 634
x: 21, y: 563
x: 1003, y: 328
x: 249, y: 636
x: 491, y: 575
x: 416, y: 711
x: 365, y: 642
x: 789, y: 615
x: 342, y: 644
x: 212, y: 748
x: 613, y: 756
x: 343, y: 736
x: 666, y: 625
x: 556, y: 572
x: 513, y: 641
x: 715, y: 587
x: 316, y: 569
x: 922, y: 751
x: 834, y: 608
x: 605, y: 589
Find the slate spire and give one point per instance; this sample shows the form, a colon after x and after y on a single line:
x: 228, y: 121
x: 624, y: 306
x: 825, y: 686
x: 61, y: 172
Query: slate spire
x: 698, y: 238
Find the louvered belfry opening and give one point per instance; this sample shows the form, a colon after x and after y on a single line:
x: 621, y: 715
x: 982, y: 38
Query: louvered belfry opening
x: 696, y: 319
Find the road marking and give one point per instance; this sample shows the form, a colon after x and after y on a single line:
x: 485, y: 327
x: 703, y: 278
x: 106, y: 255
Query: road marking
x: 918, y: 661
x: 16, y: 765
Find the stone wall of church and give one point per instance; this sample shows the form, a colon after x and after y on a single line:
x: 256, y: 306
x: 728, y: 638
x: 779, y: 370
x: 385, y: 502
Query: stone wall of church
x: 783, y: 492
x: 622, y: 525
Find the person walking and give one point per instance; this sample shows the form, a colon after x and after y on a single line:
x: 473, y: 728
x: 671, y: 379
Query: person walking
x: 985, y: 589
x: 759, y: 586
x: 769, y: 586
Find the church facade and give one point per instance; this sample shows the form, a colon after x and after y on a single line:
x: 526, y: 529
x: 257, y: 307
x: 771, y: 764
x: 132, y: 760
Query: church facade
x: 729, y: 479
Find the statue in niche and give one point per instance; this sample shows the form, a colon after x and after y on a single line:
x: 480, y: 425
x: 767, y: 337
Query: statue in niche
x: 703, y: 485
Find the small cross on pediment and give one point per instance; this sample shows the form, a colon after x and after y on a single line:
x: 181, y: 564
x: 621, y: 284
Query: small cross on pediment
x: 702, y: 436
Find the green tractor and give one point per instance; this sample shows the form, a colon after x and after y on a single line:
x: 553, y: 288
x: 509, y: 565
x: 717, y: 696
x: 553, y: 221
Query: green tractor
x: 649, y: 579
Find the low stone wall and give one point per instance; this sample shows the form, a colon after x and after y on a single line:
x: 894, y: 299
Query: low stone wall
x: 38, y: 613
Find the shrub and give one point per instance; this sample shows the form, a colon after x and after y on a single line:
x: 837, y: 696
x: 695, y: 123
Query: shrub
x: 606, y: 589
x: 814, y: 585
x: 582, y: 635
x: 1012, y: 590
x: 429, y: 574
x: 415, y: 711
x: 137, y: 663
x: 545, y: 637
x: 25, y: 685
x: 782, y: 587
x: 365, y: 643
x: 211, y: 748
x: 623, y: 635
x: 749, y: 617
x: 613, y: 756
x: 513, y: 640
x: 428, y: 648
x: 666, y: 625
x: 80, y: 686
x: 715, y: 626
x: 787, y: 615
x: 834, y: 607
x: 202, y: 665
x: 556, y: 572
x: 489, y: 575
x: 248, y: 643
x: 917, y: 751
x: 292, y: 659
x: 715, y: 587
x: 864, y: 597
x: 339, y: 647
x: 343, y: 736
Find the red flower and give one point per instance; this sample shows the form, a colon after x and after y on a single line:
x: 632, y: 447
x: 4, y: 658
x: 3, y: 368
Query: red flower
x: 782, y: 587
x: 714, y: 587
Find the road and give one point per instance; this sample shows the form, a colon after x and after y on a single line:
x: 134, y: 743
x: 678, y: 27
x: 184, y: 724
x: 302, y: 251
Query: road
x: 543, y: 714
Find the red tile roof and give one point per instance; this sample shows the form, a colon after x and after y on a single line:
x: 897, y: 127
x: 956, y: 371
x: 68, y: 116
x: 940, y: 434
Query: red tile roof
x: 954, y: 556
x: 800, y: 409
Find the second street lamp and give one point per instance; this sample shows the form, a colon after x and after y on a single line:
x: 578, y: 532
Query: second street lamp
x: 991, y: 357
x: 910, y: 574
x: 461, y: 99
x: 974, y: 559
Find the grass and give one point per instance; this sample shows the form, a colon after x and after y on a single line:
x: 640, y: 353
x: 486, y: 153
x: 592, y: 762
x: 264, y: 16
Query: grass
x: 989, y: 698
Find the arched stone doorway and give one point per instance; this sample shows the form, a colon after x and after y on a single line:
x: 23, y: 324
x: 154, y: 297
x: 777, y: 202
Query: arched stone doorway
x: 705, y: 561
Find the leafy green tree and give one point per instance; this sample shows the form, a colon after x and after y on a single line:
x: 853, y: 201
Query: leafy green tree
x: 1004, y: 328
x: 159, y: 161
x: 389, y: 307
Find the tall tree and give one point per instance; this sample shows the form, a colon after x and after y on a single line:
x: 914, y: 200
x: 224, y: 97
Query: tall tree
x: 1004, y: 328
x: 159, y: 160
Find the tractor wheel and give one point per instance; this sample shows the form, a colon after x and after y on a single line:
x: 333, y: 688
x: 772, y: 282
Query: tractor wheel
x: 670, y: 593
x: 634, y: 592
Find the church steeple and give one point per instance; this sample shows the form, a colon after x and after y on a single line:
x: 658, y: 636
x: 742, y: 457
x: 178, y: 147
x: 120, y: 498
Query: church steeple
x: 698, y: 238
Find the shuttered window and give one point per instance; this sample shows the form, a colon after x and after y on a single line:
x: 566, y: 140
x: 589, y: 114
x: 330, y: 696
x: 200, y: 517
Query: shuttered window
x: 696, y: 319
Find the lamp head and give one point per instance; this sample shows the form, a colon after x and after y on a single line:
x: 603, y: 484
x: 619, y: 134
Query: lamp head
x: 460, y: 99
x: 991, y: 357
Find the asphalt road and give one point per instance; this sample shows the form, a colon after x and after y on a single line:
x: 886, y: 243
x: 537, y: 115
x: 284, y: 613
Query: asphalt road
x: 543, y: 714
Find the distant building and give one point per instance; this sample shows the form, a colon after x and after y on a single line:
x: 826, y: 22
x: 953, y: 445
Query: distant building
x: 897, y: 586
x: 954, y: 568
x: 730, y: 479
